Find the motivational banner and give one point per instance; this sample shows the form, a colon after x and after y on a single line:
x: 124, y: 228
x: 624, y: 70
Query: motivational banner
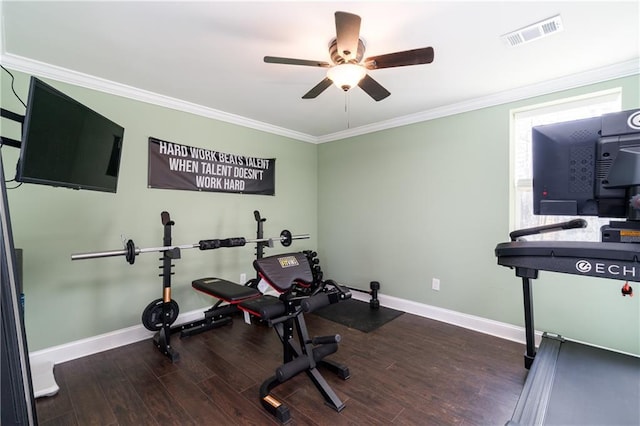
x: 175, y: 166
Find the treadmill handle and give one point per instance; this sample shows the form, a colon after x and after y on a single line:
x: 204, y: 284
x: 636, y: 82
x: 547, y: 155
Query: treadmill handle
x: 572, y: 224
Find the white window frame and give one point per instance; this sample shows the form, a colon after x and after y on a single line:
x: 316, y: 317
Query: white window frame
x: 588, y: 105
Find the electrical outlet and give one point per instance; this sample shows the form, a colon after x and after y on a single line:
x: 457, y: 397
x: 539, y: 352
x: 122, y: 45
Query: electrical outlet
x: 243, y: 278
x: 435, y: 284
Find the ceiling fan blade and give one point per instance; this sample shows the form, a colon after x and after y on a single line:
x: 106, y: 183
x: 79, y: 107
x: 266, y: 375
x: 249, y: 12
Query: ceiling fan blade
x: 291, y: 61
x: 400, y: 59
x: 319, y: 88
x: 373, y: 88
x: 347, y: 34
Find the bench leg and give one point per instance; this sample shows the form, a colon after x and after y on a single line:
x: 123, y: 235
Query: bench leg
x: 271, y: 404
x: 330, y: 397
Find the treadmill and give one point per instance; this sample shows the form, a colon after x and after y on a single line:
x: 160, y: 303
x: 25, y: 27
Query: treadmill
x: 571, y: 383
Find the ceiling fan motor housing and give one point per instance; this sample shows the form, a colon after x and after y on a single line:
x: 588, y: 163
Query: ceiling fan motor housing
x: 337, y: 56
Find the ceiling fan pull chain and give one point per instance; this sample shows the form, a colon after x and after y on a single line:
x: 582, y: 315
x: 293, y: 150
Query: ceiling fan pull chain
x: 347, y: 109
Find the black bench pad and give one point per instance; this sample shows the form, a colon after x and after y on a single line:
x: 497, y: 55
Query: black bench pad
x: 225, y: 290
x: 265, y: 306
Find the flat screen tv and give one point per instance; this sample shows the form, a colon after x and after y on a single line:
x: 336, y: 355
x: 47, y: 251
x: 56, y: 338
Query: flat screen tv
x: 67, y: 144
x: 588, y: 167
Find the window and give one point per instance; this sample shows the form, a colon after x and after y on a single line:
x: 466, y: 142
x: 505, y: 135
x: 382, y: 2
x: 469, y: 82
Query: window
x: 522, y: 120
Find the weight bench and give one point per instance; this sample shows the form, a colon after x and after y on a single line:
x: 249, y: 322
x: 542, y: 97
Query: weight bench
x: 291, y: 275
x: 220, y: 313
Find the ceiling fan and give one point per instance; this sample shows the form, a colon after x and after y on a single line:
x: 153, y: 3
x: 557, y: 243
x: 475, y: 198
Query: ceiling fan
x: 348, y: 68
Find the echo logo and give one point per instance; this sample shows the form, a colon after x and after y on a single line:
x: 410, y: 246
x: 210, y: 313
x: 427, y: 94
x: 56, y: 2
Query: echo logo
x: 585, y: 267
x: 634, y: 120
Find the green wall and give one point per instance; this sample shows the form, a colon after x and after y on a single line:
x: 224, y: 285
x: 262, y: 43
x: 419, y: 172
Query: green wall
x: 71, y: 300
x: 431, y: 199
x: 400, y: 206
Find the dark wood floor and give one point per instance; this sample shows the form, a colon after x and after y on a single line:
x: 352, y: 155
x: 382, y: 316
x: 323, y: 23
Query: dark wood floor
x: 411, y: 371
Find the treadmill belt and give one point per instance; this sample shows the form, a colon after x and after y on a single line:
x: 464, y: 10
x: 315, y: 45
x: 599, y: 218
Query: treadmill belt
x: 594, y: 386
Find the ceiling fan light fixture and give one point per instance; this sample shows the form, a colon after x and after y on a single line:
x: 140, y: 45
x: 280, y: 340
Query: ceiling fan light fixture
x: 345, y: 76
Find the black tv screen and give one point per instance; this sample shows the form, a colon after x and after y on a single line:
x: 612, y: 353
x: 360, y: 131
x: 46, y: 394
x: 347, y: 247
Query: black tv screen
x: 65, y: 143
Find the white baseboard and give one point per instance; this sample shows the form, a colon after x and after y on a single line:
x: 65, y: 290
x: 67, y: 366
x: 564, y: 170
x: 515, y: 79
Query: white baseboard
x: 471, y: 322
x: 103, y: 342
x: 84, y: 347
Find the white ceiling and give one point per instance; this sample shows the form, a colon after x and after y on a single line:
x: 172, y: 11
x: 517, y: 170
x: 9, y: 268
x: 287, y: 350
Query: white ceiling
x: 207, y: 56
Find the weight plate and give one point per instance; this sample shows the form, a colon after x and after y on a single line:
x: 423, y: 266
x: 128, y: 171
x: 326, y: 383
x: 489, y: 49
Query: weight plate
x: 131, y: 252
x: 285, y: 238
x: 152, y: 317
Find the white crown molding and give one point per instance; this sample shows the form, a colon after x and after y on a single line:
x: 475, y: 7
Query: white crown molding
x: 623, y: 69
x: 41, y: 69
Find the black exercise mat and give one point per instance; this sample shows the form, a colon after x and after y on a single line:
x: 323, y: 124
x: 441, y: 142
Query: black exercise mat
x: 356, y: 314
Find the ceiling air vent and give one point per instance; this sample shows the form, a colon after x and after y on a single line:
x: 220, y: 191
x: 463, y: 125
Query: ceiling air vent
x: 534, y: 32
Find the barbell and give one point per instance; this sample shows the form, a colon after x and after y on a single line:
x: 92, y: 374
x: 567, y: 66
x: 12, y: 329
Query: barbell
x: 130, y: 250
